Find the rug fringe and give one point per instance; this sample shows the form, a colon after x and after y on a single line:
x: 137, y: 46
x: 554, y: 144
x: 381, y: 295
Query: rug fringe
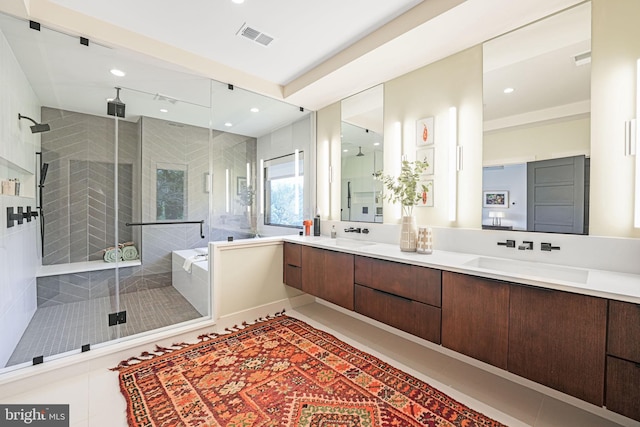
x: 159, y: 351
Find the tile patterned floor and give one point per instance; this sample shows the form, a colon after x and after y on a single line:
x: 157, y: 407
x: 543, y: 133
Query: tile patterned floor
x: 64, y: 327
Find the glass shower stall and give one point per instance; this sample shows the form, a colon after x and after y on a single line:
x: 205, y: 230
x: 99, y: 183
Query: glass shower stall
x: 118, y: 197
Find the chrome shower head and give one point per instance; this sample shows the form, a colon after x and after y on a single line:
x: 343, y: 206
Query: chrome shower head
x: 37, y: 127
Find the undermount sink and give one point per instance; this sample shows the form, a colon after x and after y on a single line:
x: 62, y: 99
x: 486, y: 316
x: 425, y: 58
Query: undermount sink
x: 545, y: 271
x: 348, y: 243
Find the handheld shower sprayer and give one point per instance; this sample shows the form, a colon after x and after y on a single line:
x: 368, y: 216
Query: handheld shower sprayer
x: 37, y: 127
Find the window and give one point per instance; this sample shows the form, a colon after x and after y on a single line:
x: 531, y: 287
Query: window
x: 170, y: 194
x: 283, y: 190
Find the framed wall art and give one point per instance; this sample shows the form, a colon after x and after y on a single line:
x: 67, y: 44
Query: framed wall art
x: 495, y: 199
x: 424, y: 132
x: 428, y: 155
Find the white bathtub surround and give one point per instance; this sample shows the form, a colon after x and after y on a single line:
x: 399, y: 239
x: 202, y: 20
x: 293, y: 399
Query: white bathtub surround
x: 193, y: 281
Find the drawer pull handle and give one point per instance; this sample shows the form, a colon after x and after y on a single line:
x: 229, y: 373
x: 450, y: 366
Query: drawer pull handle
x: 392, y: 295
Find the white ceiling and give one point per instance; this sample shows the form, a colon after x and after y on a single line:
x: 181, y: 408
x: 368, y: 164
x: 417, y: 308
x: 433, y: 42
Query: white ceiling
x: 322, y: 52
x: 306, y: 33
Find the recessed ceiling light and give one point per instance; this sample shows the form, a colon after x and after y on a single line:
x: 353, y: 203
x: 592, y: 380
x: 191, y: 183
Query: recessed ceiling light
x: 238, y: 1
x: 228, y: 124
x: 508, y: 90
x: 255, y: 110
x: 164, y: 110
x: 117, y: 72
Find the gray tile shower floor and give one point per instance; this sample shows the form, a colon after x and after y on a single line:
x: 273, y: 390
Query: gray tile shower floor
x: 64, y: 327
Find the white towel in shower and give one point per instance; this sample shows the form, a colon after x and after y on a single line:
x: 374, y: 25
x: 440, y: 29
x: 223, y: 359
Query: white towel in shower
x: 189, y: 261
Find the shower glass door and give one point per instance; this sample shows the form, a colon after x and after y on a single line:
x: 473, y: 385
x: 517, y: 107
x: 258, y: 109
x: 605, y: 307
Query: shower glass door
x: 163, y: 204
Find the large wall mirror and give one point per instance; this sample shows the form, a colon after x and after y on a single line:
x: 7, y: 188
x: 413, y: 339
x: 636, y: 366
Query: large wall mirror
x: 536, y: 143
x: 362, y: 150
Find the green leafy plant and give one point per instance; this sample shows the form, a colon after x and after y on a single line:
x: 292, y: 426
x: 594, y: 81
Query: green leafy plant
x: 404, y: 188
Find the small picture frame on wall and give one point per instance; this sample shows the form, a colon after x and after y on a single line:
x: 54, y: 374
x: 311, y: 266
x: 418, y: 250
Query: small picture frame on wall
x: 427, y: 196
x: 495, y: 199
x: 241, y: 185
x: 426, y: 154
x: 424, y: 132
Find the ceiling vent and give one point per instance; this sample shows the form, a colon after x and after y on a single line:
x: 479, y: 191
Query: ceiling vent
x: 254, y: 35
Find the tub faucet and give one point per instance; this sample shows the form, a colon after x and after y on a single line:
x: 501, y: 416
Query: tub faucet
x: 526, y: 245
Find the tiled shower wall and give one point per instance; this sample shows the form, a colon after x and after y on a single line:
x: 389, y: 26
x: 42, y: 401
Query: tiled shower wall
x: 79, y: 194
x: 78, y: 197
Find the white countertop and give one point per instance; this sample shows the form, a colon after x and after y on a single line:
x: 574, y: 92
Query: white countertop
x: 598, y: 283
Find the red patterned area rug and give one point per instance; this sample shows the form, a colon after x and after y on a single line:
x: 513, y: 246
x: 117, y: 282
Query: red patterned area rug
x: 280, y: 372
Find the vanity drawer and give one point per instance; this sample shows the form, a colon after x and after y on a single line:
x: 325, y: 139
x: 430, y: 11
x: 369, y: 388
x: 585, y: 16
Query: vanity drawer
x: 292, y: 254
x: 416, y: 318
x: 293, y: 276
x: 623, y: 387
x: 624, y: 330
x: 416, y: 283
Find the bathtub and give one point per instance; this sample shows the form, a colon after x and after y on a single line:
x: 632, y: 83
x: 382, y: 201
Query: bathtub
x: 194, y: 285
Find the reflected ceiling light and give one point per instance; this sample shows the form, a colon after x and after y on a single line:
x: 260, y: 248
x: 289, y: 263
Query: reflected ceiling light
x: 345, y: 151
x: 117, y: 72
x: 255, y: 110
x: 376, y: 143
x: 164, y: 110
x: 228, y: 124
x: 508, y: 90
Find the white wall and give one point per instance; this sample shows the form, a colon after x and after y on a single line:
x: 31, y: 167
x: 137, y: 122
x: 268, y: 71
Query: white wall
x: 614, y: 52
x: 281, y: 142
x: 19, y: 245
x: 541, y: 141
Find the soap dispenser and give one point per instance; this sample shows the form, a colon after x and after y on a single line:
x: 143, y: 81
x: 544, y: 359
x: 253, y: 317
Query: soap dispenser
x: 333, y: 231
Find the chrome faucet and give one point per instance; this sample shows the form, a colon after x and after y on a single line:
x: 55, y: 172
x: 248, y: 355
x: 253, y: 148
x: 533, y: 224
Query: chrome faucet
x: 353, y: 230
x: 526, y: 245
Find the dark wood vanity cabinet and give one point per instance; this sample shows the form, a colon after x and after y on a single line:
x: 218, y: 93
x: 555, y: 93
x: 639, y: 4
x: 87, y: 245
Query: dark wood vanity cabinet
x: 584, y: 346
x: 328, y: 275
x: 558, y: 339
x: 292, y: 268
x: 475, y: 317
x: 404, y: 296
x: 623, y: 359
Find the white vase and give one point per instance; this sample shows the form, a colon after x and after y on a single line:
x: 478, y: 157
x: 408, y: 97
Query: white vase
x: 408, y: 234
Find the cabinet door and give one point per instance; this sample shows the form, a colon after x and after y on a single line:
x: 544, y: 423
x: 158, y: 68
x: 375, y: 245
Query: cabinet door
x: 623, y: 387
x: 414, y: 317
x: 338, y: 279
x: 558, y: 339
x: 312, y: 269
x: 328, y: 275
x: 475, y: 316
x: 624, y: 330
